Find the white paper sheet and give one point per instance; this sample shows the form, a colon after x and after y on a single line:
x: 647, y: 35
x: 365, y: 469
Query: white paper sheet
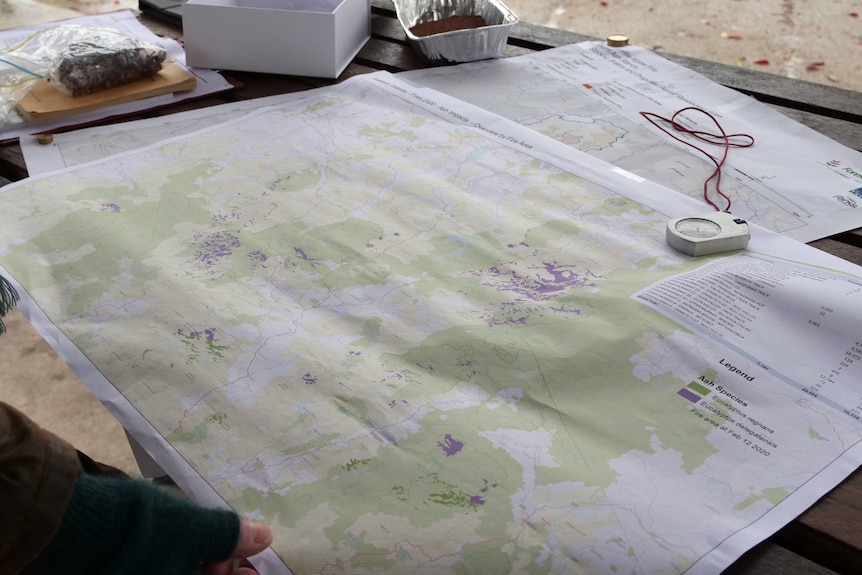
x: 793, y: 180
x: 99, y: 142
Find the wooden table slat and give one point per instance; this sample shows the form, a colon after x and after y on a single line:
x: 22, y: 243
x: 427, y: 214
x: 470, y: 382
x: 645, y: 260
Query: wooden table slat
x: 12, y: 165
x: 839, y: 513
x: 819, y: 547
x: 841, y: 249
x: 769, y: 558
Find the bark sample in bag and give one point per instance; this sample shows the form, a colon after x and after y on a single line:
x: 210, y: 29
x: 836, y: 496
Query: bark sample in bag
x: 94, y: 60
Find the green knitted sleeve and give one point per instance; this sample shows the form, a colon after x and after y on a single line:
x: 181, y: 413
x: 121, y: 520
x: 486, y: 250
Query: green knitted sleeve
x: 128, y: 527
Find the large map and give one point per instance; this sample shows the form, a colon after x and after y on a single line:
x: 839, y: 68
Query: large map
x: 416, y: 347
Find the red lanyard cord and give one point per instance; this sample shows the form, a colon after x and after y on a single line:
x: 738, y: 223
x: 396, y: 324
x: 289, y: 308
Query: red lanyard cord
x: 721, y: 139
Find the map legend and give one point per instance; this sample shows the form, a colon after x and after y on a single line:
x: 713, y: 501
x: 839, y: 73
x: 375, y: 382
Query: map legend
x: 694, y: 392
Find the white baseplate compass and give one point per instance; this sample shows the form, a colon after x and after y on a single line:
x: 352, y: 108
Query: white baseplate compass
x: 705, y: 234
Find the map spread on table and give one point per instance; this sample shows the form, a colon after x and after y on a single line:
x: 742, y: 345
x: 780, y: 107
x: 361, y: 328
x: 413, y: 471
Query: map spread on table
x: 416, y: 347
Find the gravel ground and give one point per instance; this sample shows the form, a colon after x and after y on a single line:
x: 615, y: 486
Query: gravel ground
x: 815, y: 40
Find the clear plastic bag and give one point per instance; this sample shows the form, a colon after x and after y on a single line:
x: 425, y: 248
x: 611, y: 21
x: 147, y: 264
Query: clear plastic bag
x: 76, y: 60
x: 92, y: 60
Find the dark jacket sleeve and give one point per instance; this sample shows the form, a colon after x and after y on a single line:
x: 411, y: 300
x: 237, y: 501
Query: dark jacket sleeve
x: 129, y: 526
x: 37, y: 476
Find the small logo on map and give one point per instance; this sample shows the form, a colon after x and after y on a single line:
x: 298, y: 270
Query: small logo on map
x: 849, y: 202
x: 847, y: 172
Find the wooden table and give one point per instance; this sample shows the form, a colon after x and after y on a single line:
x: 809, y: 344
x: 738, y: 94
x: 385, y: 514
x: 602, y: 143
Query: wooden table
x: 828, y: 537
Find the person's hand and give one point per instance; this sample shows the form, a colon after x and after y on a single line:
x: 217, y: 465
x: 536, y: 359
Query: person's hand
x: 132, y: 526
x: 253, y: 539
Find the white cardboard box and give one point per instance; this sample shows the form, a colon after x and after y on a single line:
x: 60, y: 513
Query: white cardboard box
x: 315, y: 38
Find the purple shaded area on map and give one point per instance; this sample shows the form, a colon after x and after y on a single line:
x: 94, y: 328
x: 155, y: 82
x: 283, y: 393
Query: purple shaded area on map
x: 216, y: 246
x: 547, y: 282
x: 223, y: 217
x: 450, y: 445
x: 561, y: 309
x: 563, y: 278
x: 309, y: 379
x: 301, y: 254
x: 113, y: 208
x: 207, y: 334
x: 534, y: 291
x: 258, y: 257
x: 480, y: 499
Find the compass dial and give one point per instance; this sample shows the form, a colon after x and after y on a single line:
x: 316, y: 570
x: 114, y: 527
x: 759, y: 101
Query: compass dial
x: 698, y: 228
